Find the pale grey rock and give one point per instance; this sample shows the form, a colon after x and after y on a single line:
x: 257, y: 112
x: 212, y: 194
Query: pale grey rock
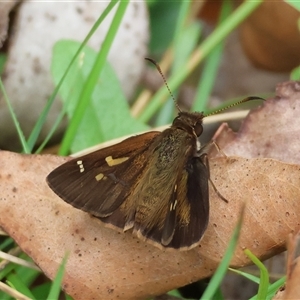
x: 37, y: 27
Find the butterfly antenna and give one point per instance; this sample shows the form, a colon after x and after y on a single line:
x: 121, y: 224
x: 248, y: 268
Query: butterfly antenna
x: 251, y: 98
x: 164, y: 79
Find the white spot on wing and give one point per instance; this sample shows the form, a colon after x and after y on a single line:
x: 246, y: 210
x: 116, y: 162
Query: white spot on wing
x: 173, y: 205
x: 80, y: 165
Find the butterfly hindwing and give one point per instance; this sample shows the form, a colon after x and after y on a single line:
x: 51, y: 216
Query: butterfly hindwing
x: 187, y: 212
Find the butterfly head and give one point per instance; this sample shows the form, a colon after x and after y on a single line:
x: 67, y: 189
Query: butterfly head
x: 190, y: 122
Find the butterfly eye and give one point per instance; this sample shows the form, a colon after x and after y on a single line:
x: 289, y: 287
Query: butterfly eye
x: 198, y: 128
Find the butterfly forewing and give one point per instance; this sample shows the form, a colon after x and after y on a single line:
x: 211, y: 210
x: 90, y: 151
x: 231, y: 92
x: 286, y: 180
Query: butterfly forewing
x: 99, y: 182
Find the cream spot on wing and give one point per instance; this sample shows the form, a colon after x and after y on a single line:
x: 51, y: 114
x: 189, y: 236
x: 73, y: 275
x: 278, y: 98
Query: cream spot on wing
x: 99, y: 176
x: 80, y: 165
x: 173, y: 205
x: 113, y: 162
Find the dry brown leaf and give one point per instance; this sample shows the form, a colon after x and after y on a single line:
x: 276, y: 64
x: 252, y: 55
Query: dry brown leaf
x: 270, y: 36
x: 104, y: 264
x: 271, y: 130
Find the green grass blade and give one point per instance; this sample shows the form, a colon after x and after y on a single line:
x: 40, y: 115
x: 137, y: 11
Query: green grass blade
x: 39, y: 124
x: 87, y: 91
x: 251, y: 277
x: 56, y: 285
x: 264, y: 275
x: 26, y: 149
x: 40, y: 291
x: 165, y: 115
x: 240, y: 14
x: 15, y: 281
x: 273, y: 288
x: 107, y: 100
x: 222, y: 268
x: 218, y: 295
x: 4, y: 272
x: 186, y: 35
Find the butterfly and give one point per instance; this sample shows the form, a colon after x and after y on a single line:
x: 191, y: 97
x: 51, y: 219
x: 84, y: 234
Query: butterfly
x: 155, y: 184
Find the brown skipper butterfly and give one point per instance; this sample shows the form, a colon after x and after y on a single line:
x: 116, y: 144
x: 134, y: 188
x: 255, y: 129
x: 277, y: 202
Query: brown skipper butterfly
x: 154, y: 183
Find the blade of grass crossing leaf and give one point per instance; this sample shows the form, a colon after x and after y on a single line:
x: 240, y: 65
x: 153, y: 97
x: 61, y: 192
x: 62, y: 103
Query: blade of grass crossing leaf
x: 39, y: 124
x: 222, y: 268
x: 73, y: 80
x: 15, y: 282
x: 264, y: 275
x: 273, y: 288
x: 211, y: 66
x: 240, y: 14
x: 51, y: 132
x: 55, y: 288
x: 92, y: 79
x: 15, y: 120
x: 246, y: 275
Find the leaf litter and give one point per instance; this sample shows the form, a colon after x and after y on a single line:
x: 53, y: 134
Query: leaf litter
x: 261, y: 168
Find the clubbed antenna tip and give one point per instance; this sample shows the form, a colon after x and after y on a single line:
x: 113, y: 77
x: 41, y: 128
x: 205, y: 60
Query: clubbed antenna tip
x: 164, y: 79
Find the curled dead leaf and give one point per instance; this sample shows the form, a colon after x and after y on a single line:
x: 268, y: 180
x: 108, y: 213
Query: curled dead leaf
x: 270, y: 44
x: 271, y: 130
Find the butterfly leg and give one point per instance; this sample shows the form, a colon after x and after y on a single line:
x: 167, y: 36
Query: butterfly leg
x: 205, y: 160
x: 218, y: 148
x: 207, y: 147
